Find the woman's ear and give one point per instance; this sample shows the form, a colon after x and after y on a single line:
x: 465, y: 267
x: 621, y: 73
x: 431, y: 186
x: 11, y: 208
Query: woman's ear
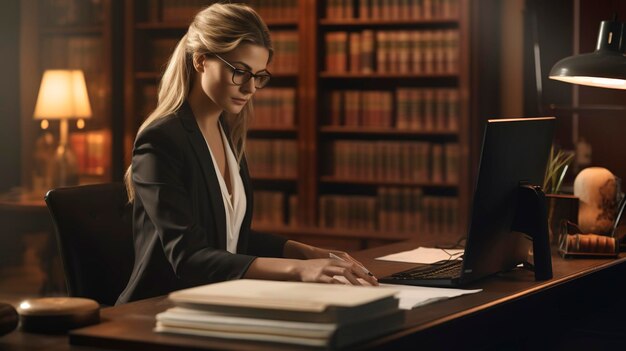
x: 198, y: 62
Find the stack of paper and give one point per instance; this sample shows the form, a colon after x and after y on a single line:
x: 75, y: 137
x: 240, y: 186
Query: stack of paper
x: 311, y: 314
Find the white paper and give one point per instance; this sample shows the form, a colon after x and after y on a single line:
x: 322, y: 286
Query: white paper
x: 414, y: 296
x: 425, y: 255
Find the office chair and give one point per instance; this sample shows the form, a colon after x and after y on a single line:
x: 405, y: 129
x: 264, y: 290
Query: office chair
x: 93, y: 226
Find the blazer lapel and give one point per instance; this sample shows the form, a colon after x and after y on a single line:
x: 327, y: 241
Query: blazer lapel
x: 201, y: 149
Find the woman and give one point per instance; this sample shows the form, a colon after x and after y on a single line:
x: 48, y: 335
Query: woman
x: 189, y: 181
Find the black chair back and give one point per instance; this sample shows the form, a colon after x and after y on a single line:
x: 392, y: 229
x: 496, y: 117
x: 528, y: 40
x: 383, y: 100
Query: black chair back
x: 93, y: 225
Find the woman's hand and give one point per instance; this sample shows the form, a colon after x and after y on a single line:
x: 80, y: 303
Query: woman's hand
x: 294, y: 249
x: 323, y: 270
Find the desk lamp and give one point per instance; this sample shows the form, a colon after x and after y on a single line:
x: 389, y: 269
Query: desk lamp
x: 63, y: 96
x: 603, y: 68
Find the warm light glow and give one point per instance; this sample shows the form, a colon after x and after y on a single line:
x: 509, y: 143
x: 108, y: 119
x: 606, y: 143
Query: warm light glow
x: 80, y: 124
x: 44, y: 124
x: 25, y: 305
x: 62, y: 94
x: 598, y: 82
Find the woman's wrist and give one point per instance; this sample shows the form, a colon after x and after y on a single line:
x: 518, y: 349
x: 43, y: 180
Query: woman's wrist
x: 274, y: 269
x: 298, y: 250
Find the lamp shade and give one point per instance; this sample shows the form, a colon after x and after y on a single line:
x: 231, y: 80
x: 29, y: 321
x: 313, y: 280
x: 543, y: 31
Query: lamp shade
x: 62, y: 94
x: 603, y: 68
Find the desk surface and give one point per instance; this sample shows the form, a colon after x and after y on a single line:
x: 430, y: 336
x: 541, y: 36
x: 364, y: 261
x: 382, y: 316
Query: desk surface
x: 513, y: 298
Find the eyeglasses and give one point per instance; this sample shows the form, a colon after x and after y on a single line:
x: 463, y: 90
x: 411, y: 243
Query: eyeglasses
x: 241, y: 76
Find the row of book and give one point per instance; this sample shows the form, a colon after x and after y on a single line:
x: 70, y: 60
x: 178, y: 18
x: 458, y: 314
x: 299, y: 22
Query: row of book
x: 415, y: 109
x: 359, y: 108
x: 420, y: 162
x: 414, y: 51
x: 92, y: 150
x: 84, y: 53
x: 427, y: 109
x: 275, y: 9
x: 397, y: 210
x: 274, y: 107
x: 72, y: 12
x: 285, y: 58
x: 272, y: 158
x: 269, y: 209
x: 392, y: 9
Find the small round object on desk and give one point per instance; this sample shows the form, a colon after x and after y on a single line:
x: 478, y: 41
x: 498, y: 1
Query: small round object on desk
x: 8, y: 318
x: 57, y: 314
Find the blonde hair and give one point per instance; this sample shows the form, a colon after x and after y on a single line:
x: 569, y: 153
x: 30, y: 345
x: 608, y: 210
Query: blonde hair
x: 219, y: 28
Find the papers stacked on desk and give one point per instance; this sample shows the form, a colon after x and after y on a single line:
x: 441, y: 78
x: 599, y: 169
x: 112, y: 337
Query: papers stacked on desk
x: 324, y: 315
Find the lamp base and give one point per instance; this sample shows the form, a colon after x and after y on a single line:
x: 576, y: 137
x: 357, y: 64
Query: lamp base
x: 64, y: 167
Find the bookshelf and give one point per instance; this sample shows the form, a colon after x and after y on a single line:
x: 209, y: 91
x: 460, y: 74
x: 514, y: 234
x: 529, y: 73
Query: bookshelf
x: 71, y: 34
x: 78, y: 35
x: 426, y: 106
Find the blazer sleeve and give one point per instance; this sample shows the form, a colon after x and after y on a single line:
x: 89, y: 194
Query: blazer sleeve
x: 157, y: 167
x: 265, y: 245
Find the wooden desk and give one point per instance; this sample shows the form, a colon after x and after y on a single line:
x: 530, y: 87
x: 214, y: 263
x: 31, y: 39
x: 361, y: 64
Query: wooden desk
x: 512, y: 309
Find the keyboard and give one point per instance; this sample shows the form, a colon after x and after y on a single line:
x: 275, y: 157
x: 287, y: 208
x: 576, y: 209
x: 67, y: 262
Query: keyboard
x: 448, y: 270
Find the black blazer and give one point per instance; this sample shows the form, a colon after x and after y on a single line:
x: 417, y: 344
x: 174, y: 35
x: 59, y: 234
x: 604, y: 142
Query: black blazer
x: 179, y: 221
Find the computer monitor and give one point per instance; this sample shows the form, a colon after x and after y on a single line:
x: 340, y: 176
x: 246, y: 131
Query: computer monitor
x: 514, y: 152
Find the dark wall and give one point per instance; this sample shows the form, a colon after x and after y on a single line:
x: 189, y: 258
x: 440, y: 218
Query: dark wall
x: 486, y: 24
x: 9, y: 94
x: 602, y: 128
x: 548, y: 24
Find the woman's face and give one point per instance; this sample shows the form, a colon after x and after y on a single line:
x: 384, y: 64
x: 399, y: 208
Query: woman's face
x: 216, y: 76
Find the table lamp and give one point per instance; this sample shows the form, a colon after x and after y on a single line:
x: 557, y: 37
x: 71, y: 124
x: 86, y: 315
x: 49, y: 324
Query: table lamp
x: 63, y: 96
x: 603, y: 68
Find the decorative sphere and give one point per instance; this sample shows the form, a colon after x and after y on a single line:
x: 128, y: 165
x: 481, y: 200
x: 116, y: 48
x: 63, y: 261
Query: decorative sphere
x: 598, y: 191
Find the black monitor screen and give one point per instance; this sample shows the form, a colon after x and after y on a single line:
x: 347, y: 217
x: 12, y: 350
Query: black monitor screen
x: 513, y: 151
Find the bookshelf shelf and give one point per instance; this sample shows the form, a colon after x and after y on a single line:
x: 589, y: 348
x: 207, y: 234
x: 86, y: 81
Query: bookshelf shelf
x: 376, y: 182
x: 73, y: 30
x: 281, y: 23
x: 272, y: 129
x: 356, y: 22
x: 272, y: 178
x: 404, y: 76
x: 336, y: 130
x: 331, y: 233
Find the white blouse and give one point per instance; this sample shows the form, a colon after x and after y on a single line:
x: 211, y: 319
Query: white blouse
x: 235, y: 203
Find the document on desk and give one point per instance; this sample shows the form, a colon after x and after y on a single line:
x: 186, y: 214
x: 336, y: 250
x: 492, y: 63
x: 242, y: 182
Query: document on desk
x: 424, y: 255
x: 416, y: 296
x: 410, y: 296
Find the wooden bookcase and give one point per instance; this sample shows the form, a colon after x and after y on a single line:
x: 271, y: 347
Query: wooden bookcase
x: 147, y: 21
x: 73, y: 35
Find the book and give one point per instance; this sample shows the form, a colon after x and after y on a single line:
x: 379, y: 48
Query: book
x: 292, y: 301
x: 211, y: 324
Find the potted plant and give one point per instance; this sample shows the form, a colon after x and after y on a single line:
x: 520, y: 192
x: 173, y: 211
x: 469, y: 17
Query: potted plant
x: 560, y: 207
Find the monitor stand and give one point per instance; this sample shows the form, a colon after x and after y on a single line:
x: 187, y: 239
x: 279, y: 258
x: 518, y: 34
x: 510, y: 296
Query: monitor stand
x: 531, y: 219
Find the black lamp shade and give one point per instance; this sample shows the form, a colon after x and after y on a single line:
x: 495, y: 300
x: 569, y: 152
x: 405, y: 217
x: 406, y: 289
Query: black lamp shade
x: 604, y: 68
